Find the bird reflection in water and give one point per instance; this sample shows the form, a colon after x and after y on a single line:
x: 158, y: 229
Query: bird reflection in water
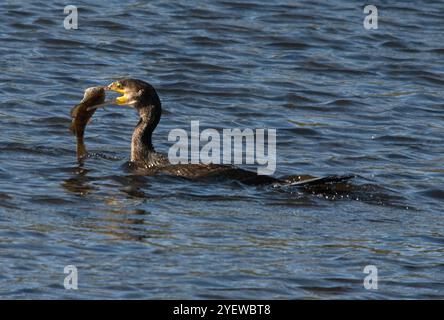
x: 79, y: 183
x: 122, y: 224
x: 114, y: 218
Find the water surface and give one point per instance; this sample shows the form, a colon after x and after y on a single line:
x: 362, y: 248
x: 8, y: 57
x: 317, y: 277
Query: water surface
x: 343, y: 100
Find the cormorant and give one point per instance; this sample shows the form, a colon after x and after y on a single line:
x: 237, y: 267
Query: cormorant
x: 143, y: 97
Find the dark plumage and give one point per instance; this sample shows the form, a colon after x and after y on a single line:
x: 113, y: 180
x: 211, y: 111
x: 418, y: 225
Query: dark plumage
x: 143, y: 97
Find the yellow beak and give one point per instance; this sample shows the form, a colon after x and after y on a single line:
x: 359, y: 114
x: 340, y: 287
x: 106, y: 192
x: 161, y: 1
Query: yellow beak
x: 119, y: 100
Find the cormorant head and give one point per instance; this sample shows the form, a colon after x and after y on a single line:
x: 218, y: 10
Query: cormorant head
x: 135, y: 93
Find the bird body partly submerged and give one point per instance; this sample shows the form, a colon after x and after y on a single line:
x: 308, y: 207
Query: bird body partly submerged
x: 143, y: 97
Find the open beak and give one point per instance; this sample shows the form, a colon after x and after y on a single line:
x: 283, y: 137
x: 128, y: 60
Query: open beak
x: 122, y: 100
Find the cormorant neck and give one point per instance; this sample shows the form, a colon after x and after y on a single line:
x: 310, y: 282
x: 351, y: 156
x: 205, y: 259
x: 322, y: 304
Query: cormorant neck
x: 141, y: 145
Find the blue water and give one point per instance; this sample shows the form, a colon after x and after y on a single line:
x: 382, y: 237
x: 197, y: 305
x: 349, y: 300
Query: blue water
x: 344, y: 100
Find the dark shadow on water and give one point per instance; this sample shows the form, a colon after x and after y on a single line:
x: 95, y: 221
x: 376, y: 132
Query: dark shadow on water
x: 115, y: 220
x: 122, y: 224
x: 135, y: 185
x: 114, y: 196
x: 80, y: 182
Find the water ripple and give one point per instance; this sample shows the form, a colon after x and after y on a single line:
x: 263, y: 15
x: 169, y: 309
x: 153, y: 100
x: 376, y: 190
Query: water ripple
x: 343, y: 99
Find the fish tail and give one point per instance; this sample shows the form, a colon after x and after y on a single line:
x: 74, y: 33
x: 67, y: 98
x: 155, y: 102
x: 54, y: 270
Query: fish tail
x: 81, y: 149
